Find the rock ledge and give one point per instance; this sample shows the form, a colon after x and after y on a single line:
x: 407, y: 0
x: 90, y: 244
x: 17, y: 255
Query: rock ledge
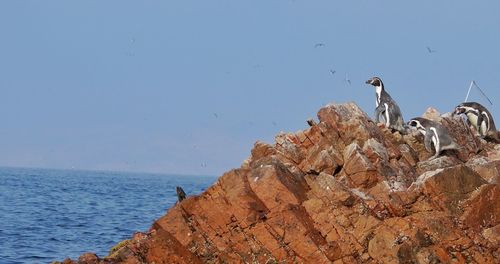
x: 342, y: 191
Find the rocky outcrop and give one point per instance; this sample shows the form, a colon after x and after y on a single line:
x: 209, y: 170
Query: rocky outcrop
x: 342, y: 191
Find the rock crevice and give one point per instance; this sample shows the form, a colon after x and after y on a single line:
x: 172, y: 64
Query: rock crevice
x: 342, y: 191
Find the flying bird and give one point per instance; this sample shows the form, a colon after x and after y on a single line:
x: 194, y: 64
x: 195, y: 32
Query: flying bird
x: 216, y: 115
x: 430, y: 50
x: 333, y: 72
x: 347, y: 80
x: 319, y: 45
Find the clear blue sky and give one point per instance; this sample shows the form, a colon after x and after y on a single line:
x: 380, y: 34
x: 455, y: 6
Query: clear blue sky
x: 189, y: 86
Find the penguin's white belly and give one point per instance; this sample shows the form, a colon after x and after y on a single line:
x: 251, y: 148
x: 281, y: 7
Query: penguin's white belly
x: 484, y: 129
x: 473, y: 120
x: 435, y: 140
x: 378, y: 91
x: 387, y: 120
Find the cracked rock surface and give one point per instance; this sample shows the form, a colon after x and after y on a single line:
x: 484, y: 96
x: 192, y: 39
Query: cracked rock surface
x: 342, y: 191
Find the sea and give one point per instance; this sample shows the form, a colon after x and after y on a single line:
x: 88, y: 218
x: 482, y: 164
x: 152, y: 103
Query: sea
x: 48, y: 215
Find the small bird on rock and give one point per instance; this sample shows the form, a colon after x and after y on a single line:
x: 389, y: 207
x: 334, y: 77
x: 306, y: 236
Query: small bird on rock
x: 181, y: 195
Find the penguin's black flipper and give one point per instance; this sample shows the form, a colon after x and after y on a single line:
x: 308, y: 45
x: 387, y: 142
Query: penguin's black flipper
x: 428, y: 140
x: 479, y: 126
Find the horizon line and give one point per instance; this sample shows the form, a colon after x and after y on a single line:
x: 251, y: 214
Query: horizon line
x: 109, y: 171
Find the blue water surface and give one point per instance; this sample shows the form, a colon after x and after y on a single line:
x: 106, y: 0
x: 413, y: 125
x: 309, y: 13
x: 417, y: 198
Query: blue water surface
x: 48, y: 215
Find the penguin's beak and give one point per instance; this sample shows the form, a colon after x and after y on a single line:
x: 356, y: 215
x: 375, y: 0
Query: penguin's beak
x: 369, y: 81
x: 458, y: 111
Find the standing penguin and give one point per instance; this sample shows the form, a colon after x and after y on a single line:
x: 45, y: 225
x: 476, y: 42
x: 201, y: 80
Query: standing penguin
x: 434, y: 135
x: 387, y: 110
x: 479, y: 117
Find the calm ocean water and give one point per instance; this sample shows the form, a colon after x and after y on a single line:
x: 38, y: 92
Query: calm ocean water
x: 48, y: 215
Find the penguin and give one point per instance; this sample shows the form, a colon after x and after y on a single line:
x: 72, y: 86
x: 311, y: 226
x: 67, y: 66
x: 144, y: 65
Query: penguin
x: 480, y: 118
x: 387, y: 110
x: 435, y: 135
x: 181, y: 195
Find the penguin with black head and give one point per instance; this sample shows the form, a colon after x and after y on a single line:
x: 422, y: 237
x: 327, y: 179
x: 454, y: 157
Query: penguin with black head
x: 387, y: 110
x: 436, y: 136
x: 480, y: 118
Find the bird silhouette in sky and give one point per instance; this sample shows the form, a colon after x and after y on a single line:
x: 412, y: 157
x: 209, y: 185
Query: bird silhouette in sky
x: 347, y: 80
x: 430, y: 50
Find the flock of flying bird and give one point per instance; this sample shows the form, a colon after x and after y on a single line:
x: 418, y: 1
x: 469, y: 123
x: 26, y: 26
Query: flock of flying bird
x: 436, y: 136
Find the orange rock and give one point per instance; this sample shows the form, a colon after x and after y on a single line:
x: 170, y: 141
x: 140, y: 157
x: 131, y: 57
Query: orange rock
x: 448, y: 187
x: 382, y: 246
x: 375, y: 151
x: 432, y: 114
x: 320, y: 160
x: 483, y: 210
x: 489, y: 171
x: 341, y: 191
x: 88, y: 258
x: 492, y: 234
